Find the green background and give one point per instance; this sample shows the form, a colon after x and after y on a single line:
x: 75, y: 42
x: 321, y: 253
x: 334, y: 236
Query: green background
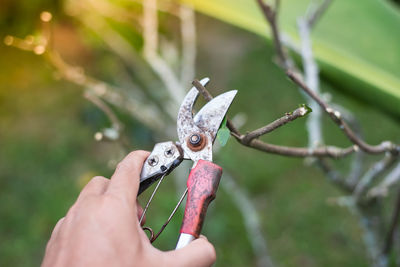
x: 47, y: 150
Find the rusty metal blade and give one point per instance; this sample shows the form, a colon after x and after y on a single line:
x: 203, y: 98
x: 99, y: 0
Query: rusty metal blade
x: 206, y: 121
x: 210, y: 116
x: 185, y: 123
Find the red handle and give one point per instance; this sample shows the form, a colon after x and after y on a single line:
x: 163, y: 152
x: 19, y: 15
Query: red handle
x: 202, y: 186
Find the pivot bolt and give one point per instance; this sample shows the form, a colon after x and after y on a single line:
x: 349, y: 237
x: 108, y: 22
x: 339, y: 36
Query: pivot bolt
x: 152, y: 160
x: 195, y: 140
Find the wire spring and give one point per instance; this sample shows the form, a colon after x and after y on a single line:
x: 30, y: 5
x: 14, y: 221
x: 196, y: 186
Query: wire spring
x: 153, y: 236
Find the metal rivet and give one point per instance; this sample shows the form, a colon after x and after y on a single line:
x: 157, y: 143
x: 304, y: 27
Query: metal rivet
x: 169, y: 152
x: 152, y: 160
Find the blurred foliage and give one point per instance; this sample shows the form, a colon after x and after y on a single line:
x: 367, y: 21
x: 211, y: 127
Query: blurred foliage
x: 47, y: 150
x: 356, y: 42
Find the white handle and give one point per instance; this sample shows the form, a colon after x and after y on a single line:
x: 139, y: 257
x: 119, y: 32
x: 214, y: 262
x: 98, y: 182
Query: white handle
x: 184, y: 240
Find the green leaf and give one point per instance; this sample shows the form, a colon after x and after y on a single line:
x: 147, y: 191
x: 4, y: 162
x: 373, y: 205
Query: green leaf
x: 223, y: 133
x: 356, y: 42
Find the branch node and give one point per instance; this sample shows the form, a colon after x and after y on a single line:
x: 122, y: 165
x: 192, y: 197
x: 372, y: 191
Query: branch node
x: 303, y: 111
x: 356, y: 148
x: 337, y: 114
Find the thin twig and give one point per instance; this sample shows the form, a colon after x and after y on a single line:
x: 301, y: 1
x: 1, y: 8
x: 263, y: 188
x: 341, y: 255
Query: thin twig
x: 392, y: 228
x: 122, y: 47
x: 328, y: 151
x: 357, y: 163
x: 251, y: 220
x: 150, y: 26
x: 311, y: 76
x: 158, y: 64
x: 376, y: 169
x: 207, y: 96
x: 188, y: 33
x: 335, y: 115
x: 382, y: 189
x: 317, y: 12
x: 369, y: 224
x: 270, y: 14
x: 288, y: 117
x: 371, y: 235
x: 116, y: 124
x: 334, y: 176
x: 147, y: 113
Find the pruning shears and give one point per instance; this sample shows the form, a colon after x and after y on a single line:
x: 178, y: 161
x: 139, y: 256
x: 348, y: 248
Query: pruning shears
x: 196, y: 137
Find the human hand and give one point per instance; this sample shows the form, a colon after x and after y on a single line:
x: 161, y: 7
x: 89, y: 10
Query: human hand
x: 102, y: 227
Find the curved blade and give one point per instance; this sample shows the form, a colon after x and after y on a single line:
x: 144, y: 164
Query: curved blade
x: 210, y: 116
x: 207, y: 121
x: 185, y: 123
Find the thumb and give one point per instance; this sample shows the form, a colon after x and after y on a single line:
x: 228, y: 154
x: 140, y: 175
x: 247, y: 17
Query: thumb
x: 198, y: 253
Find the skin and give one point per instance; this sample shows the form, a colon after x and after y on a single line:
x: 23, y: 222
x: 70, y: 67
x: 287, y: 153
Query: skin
x: 102, y: 227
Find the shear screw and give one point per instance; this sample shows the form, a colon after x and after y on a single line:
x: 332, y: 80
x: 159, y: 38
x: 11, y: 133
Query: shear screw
x: 195, y: 140
x: 169, y: 152
x: 153, y: 161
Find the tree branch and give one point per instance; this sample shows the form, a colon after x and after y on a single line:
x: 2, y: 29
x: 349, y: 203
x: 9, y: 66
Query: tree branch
x: 392, y: 228
x: 335, y: 115
x: 317, y: 12
x: 291, y: 116
x: 250, y: 219
x: 270, y: 14
x: 376, y: 169
x: 115, y: 123
x: 382, y: 189
x: 188, y: 33
x: 158, y: 64
x: 311, y: 76
x: 328, y: 151
x: 334, y: 176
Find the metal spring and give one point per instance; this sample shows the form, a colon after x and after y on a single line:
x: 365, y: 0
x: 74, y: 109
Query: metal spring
x: 153, y: 237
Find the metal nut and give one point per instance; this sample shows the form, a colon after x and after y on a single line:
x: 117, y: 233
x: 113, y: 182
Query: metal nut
x: 196, y: 142
x: 195, y: 139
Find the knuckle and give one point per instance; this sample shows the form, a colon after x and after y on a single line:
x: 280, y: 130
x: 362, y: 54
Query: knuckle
x: 72, y: 210
x: 132, y: 156
x: 110, y: 199
x: 121, y: 165
x: 60, y: 221
x: 137, y: 155
x: 98, y: 179
x: 57, y: 227
x: 211, y: 253
x: 109, y: 203
x: 123, y: 202
x: 133, y: 160
x: 84, y: 202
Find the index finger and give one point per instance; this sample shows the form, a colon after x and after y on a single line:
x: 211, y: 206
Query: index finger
x: 125, y: 180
